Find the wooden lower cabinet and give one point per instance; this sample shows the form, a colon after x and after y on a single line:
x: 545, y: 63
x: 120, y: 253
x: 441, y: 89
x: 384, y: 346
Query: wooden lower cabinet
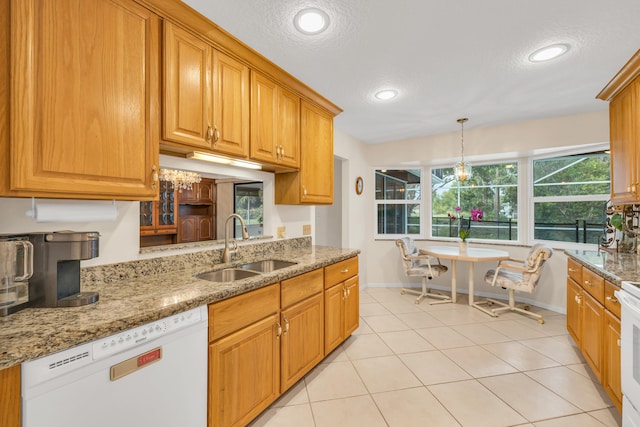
x: 264, y: 341
x: 10, y: 401
x: 611, y: 379
x: 341, y: 302
x: 243, y: 373
x: 593, y: 322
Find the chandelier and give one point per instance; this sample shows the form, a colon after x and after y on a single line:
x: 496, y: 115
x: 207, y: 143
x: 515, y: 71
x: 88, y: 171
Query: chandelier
x: 182, y: 180
x: 462, y: 169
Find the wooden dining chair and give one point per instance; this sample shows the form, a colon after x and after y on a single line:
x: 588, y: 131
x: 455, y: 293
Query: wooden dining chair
x: 424, y: 266
x: 516, y: 275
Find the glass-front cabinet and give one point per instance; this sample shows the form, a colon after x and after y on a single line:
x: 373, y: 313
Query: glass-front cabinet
x: 159, y: 218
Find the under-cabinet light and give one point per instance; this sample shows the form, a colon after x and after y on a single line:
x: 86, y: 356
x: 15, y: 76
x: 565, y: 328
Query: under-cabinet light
x: 223, y: 160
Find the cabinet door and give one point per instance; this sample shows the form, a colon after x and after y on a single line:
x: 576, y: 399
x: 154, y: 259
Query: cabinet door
x: 591, y: 333
x: 187, y: 232
x: 167, y: 210
x: 574, y: 302
x: 231, y: 105
x: 205, y: 228
x: 316, y: 163
x: 244, y: 373
x: 187, y: 102
x: 623, y: 124
x: 351, y: 306
x: 333, y: 317
x: 302, y: 339
x: 288, y: 126
x: 10, y: 392
x: 264, y: 110
x: 83, y: 99
x: 611, y: 376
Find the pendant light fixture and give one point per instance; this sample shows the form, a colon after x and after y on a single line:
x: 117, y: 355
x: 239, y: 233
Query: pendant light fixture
x: 462, y: 169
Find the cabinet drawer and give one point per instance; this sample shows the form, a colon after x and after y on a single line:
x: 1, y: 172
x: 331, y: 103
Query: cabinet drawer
x: 610, y: 301
x: 235, y: 313
x: 340, y: 271
x: 574, y: 270
x: 593, y: 284
x: 300, y: 287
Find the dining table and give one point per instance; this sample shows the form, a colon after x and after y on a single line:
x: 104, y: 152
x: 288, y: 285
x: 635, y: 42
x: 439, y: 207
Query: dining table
x: 472, y: 255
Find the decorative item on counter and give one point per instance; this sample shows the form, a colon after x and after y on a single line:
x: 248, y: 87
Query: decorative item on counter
x: 622, y: 228
x: 182, y: 180
x: 465, y: 232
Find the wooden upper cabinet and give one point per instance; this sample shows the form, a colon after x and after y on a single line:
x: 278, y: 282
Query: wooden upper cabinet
x: 231, y: 106
x: 623, y: 94
x: 313, y: 184
x: 206, y: 96
x: 187, y: 102
x: 275, y: 123
x: 83, y: 100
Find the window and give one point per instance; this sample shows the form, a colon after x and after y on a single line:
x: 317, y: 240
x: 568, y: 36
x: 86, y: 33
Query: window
x: 398, y: 201
x: 248, y: 204
x: 492, y: 188
x: 569, y: 197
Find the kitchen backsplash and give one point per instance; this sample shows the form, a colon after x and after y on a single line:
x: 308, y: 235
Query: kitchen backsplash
x: 110, y: 273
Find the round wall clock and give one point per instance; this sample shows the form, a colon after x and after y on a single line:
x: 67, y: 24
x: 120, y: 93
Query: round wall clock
x: 359, y: 185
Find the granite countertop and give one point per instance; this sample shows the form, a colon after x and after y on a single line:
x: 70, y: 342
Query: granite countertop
x: 128, y: 300
x: 615, y: 267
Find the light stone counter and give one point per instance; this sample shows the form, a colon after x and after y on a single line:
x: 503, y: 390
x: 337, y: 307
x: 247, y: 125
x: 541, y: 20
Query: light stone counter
x: 138, y: 292
x: 615, y: 267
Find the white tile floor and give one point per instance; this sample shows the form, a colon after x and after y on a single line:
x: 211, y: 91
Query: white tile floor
x: 446, y: 365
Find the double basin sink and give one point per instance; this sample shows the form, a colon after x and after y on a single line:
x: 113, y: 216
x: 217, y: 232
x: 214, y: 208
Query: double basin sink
x: 245, y: 270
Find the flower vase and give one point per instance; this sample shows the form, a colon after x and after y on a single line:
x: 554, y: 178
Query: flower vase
x: 462, y: 246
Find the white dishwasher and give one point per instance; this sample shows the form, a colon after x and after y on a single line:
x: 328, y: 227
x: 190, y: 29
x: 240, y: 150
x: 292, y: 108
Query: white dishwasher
x: 151, y: 375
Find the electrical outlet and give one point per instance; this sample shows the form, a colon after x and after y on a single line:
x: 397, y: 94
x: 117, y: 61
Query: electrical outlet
x: 281, y: 232
x: 306, y: 229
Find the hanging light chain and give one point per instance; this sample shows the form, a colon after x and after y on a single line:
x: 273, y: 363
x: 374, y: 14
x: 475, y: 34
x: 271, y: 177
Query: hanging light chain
x: 462, y: 122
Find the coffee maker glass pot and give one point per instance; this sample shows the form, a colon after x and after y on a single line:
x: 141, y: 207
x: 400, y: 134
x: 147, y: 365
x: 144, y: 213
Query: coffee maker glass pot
x: 16, y: 267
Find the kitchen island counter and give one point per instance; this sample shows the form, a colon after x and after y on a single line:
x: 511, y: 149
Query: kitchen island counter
x: 613, y: 266
x: 142, y: 291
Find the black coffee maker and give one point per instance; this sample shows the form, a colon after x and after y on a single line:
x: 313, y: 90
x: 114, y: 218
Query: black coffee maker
x: 56, y: 268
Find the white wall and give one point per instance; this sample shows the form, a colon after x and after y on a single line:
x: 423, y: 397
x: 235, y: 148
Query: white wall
x: 329, y: 217
x: 515, y: 140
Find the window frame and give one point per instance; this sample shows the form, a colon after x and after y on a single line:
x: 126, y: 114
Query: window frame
x: 585, y: 149
x: 420, y: 202
x: 520, y: 228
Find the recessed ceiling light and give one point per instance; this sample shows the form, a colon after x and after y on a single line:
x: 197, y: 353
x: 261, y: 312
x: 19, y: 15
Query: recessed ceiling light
x: 549, y: 52
x: 386, y: 94
x: 311, y: 21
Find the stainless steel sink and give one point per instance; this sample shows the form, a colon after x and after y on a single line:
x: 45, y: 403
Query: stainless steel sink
x: 267, y: 265
x: 227, y: 275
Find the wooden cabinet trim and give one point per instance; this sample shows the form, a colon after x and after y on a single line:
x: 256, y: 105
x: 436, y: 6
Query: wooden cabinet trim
x: 629, y: 72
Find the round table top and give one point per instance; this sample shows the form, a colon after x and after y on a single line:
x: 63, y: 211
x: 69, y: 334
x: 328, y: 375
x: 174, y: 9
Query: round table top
x: 471, y: 253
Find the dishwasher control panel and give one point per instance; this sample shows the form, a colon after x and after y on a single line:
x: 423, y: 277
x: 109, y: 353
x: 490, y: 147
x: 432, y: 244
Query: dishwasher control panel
x: 141, y: 334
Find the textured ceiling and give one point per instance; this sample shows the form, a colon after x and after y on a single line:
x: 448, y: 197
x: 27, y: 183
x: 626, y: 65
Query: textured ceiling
x: 447, y: 59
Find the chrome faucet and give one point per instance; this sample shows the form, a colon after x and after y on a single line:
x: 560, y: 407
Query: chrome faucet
x: 228, y: 253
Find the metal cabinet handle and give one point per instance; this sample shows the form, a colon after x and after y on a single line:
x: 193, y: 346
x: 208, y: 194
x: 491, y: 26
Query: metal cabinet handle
x: 281, y: 152
x: 578, y: 299
x: 216, y: 135
x: 612, y: 299
x: 304, y: 192
x: 154, y: 177
x: 572, y: 270
x: 279, y: 333
x: 209, y: 135
x: 588, y: 283
x: 277, y: 152
x: 346, y: 270
x: 286, y: 324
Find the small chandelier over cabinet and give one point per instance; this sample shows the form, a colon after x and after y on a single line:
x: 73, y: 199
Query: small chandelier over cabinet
x: 462, y: 169
x: 182, y: 180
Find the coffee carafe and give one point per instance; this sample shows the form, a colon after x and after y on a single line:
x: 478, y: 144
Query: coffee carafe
x: 16, y: 267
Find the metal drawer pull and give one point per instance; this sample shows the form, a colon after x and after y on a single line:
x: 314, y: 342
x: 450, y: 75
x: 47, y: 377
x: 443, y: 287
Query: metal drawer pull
x: 586, y: 282
x: 578, y: 298
x: 346, y: 270
x: 279, y: 329
x: 612, y: 299
x: 572, y: 270
x: 286, y: 325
